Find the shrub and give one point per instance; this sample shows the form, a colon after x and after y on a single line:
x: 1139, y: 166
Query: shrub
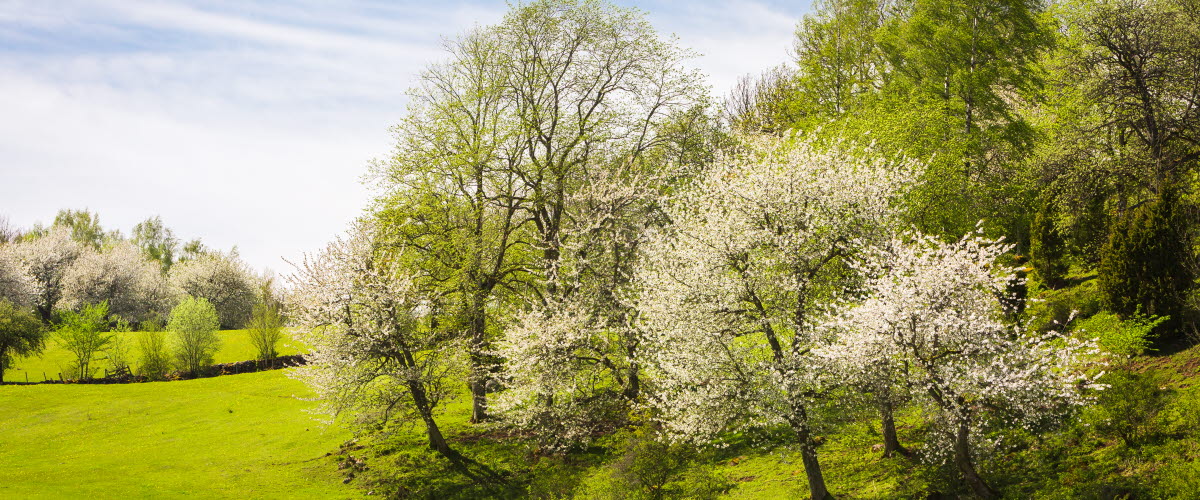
x: 155, y: 361
x: 1046, y: 249
x: 83, y: 334
x: 1127, y: 338
x: 266, y: 325
x: 648, y: 468
x: 1132, y: 407
x: 117, y: 350
x: 21, y: 334
x: 194, y: 326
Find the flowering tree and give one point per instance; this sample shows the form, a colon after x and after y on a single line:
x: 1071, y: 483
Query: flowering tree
x: 132, y: 286
x: 731, y: 290
x: 17, y: 286
x: 572, y: 363
x: 46, y: 258
x: 223, y: 280
x: 935, y: 313
x: 373, y: 354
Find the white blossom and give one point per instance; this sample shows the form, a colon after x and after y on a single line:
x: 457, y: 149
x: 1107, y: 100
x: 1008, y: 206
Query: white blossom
x: 120, y: 274
x: 732, y: 289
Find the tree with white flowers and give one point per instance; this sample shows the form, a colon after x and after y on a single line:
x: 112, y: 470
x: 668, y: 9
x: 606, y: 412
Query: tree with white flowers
x: 224, y: 280
x: 120, y: 275
x: 934, y: 317
x: 374, y: 354
x: 572, y: 364
x: 47, y: 258
x: 732, y: 289
x: 17, y: 286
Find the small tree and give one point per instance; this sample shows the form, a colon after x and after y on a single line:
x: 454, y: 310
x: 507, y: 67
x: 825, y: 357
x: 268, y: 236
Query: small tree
x: 1046, y: 248
x: 21, y: 334
x: 937, y: 310
x: 372, y: 355
x: 83, y: 334
x: 194, y: 326
x: 266, y: 324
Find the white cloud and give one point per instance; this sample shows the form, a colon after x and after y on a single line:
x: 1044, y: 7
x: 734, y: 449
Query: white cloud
x: 247, y: 123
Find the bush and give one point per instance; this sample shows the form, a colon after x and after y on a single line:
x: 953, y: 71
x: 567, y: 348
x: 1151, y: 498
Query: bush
x: 1046, y: 249
x: 648, y: 468
x: 1132, y: 407
x: 155, y: 361
x: 21, y: 334
x: 1051, y: 309
x: 266, y: 325
x: 117, y: 350
x: 1126, y: 338
x: 194, y: 326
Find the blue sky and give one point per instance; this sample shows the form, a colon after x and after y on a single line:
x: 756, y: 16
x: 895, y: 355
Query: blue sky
x: 250, y: 123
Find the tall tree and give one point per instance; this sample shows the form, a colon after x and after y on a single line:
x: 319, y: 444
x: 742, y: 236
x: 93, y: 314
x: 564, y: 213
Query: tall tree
x: 504, y: 134
x: 83, y: 224
x: 157, y: 241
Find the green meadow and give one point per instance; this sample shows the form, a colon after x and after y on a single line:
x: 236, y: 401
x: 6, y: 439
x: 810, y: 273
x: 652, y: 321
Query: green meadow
x: 235, y: 346
x: 243, y: 436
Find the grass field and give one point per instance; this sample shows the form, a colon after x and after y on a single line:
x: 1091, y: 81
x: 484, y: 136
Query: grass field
x: 235, y: 346
x: 237, y: 436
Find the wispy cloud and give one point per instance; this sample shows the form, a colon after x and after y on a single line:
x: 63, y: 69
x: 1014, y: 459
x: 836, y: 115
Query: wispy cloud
x: 246, y: 122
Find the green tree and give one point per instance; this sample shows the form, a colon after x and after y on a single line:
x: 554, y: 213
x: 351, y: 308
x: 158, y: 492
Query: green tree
x: 194, y: 326
x: 501, y: 139
x: 156, y: 241
x: 84, y: 225
x: 1142, y: 269
x: 21, y: 334
x: 1046, y: 247
x: 83, y: 334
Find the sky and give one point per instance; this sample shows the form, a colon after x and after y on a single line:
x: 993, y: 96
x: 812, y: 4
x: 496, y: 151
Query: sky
x: 249, y: 123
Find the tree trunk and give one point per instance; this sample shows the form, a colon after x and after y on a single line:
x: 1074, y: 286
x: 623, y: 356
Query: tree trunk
x: 891, y: 443
x: 966, y: 466
x: 808, y: 455
x: 437, y: 442
x: 633, y: 383
x: 480, y: 371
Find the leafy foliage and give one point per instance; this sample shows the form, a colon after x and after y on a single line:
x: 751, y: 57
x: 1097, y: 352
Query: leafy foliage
x: 194, y: 341
x: 21, y: 334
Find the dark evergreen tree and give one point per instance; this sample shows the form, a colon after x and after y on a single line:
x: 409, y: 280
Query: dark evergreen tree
x: 1142, y: 267
x: 1046, y: 248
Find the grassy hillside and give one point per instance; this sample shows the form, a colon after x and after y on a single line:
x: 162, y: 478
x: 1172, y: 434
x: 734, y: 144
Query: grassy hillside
x: 235, y: 346
x: 1140, y: 440
x: 240, y: 436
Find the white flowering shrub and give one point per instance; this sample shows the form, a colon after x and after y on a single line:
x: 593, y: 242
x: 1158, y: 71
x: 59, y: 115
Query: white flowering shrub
x: 937, y: 310
x: 223, y: 280
x: 373, y: 357
x: 121, y: 275
x: 730, y: 291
